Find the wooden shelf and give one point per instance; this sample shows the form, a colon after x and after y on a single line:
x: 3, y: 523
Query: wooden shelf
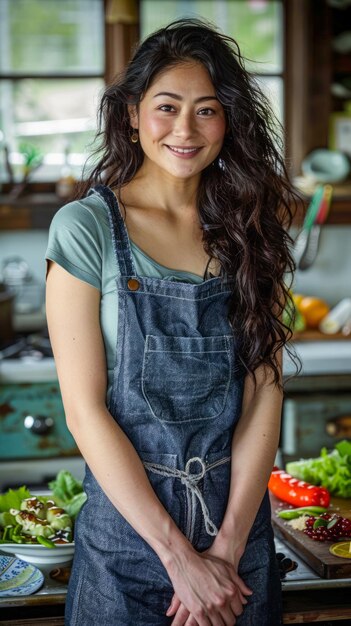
x: 32, y: 211
x: 36, y: 210
x: 340, y: 212
x: 316, y: 335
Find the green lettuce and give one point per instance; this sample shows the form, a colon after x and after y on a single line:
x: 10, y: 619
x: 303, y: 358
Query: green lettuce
x: 68, y: 492
x: 331, y: 469
x: 12, y: 498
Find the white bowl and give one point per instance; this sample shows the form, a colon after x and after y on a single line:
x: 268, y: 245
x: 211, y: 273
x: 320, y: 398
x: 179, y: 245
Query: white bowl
x: 38, y: 554
x: 326, y: 166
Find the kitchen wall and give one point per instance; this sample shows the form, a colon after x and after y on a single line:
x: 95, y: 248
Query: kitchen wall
x: 329, y: 277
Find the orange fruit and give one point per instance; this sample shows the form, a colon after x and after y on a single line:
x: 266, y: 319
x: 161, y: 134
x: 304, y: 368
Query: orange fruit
x: 342, y: 549
x: 313, y: 310
x: 297, y: 297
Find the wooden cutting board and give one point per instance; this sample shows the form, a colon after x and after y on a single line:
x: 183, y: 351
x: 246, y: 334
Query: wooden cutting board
x: 315, y: 553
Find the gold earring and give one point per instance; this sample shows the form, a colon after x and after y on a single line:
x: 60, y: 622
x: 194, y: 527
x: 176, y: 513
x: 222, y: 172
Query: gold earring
x: 134, y: 136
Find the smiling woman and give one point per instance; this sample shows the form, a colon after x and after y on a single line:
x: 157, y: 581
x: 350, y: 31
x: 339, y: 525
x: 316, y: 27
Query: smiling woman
x: 166, y: 283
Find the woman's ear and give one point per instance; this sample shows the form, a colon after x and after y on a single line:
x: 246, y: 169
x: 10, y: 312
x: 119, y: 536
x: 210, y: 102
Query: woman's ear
x: 133, y: 116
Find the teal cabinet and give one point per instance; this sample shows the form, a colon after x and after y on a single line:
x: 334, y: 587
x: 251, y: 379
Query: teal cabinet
x: 32, y: 422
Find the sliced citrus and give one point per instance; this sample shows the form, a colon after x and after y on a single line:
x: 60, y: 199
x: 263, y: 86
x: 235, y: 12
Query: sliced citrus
x: 341, y: 549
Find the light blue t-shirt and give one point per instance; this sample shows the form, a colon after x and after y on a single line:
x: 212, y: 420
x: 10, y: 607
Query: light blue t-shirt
x: 80, y: 241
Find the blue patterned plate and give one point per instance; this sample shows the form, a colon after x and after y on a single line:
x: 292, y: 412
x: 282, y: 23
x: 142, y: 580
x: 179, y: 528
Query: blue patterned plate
x: 18, y: 578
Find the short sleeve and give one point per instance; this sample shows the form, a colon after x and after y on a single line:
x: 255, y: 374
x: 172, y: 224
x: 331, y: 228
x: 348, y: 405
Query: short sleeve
x: 76, y: 242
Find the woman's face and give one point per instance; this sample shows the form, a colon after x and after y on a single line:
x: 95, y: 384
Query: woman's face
x: 180, y: 121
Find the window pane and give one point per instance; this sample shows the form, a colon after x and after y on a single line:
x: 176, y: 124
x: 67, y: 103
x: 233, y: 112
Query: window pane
x: 273, y: 87
x: 51, y: 115
x: 51, y: 36
x: 255, y: 24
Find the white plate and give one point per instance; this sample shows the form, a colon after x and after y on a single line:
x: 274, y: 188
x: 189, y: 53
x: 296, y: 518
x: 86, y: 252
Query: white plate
x: 35, y: 553
x: 18, y: 578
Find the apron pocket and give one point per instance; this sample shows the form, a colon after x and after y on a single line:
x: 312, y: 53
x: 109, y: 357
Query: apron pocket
x: 186, y: 379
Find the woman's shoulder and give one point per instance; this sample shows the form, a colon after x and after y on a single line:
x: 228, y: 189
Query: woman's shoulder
x: 80, y: 240
x: 90, y: 211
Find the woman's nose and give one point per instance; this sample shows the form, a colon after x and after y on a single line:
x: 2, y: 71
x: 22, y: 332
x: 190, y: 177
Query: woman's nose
x: 184, y: 126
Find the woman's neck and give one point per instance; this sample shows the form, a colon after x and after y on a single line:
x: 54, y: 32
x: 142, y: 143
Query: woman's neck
x: 163, y: 191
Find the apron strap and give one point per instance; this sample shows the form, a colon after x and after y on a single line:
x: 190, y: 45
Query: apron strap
x: 121, y: 243
x: 190, y: 480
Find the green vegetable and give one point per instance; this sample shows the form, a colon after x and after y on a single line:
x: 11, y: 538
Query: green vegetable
x: 12, y: 498
x: 68, y: 492
x: 292, y: 317
x: 7, y: 519
x: 320, y: 522
x: 60, y: 522
x: 7, y: 534
x: 330, y: 469
x: 301, y: 510
x: 46, y: 542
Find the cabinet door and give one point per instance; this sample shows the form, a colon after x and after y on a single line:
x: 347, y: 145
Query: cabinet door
x: 44, y: 436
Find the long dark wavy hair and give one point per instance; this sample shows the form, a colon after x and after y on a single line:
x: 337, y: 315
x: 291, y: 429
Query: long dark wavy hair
x: 244, y: 198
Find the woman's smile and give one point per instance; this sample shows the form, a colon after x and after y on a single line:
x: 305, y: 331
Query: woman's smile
x: 183, y: 153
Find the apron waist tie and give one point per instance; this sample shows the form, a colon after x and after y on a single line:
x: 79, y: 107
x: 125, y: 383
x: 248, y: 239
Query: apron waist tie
x: 190, y: 480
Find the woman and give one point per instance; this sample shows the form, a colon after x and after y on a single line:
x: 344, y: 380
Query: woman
x: 164, y: 293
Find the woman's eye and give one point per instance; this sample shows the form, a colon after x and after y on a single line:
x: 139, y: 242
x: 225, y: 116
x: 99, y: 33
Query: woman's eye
x: 206, y: 112
x: 166, y: 107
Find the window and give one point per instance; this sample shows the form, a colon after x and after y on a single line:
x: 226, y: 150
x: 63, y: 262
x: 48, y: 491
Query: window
x: 51, y: 73
x: 257, y: 26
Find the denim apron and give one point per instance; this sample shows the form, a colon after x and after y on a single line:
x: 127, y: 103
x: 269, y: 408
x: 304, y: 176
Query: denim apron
x: 177, y: 394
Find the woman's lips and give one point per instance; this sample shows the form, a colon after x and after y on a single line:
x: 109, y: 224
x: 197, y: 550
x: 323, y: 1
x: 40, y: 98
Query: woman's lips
x: 184, y: 153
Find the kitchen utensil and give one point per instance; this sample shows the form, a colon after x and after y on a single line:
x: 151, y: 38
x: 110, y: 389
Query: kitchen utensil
x: 315, y: 217
x: 303, y: 238
x: 29, y: 292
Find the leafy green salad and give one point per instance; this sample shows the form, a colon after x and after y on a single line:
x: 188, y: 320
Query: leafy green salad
x: 330, y: 469
x: 45, y: 520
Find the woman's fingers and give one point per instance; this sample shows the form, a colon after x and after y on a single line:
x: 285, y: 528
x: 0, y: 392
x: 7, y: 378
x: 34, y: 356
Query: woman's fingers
x: 223, y: 614
x: 181, y: 616
x: 174, y: 606
x: 208, y: 591
x: 245, y: 590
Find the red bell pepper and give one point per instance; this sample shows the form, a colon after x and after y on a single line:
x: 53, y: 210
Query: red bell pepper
x: 295, y: 491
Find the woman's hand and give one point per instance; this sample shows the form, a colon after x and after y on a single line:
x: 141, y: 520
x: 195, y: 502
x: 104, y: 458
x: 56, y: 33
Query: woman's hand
x: 208, y: 591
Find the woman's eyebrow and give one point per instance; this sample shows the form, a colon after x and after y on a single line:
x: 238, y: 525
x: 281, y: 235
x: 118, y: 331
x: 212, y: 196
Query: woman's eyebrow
x: 178, y: 97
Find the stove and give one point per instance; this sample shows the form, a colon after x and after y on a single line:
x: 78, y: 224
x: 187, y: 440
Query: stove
x: 34, y: 440
x: 303, y: 576
x: 28, y: 359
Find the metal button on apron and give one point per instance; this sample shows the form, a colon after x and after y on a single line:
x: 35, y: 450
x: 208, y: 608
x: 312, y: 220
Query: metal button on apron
x: 133, y: 284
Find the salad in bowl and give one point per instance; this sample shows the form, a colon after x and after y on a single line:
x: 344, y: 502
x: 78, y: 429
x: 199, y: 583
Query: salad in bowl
x: 40, y: 528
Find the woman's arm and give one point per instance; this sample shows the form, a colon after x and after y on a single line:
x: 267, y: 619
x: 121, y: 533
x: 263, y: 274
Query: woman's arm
x: 254, y: 447
x: 73, y: 319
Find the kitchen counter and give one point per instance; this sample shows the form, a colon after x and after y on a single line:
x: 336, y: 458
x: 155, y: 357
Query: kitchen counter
x: 306, y: 598
x: 320, y: 357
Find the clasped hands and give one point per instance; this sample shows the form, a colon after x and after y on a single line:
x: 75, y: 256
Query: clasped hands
x: 208, y: 589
